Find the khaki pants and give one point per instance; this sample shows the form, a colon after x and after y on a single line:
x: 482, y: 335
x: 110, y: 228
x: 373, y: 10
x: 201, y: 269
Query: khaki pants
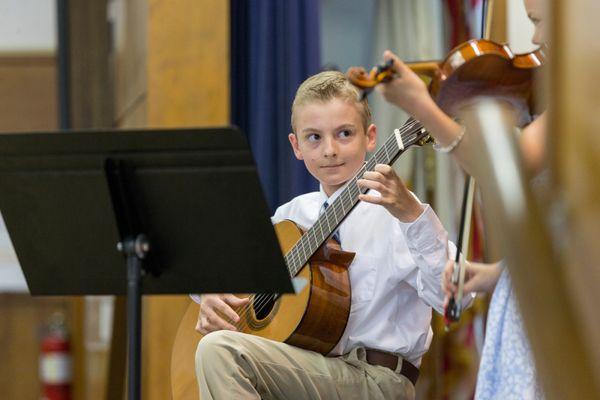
x: 232, y: 365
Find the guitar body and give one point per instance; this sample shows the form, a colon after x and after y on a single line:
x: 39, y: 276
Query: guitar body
x: 314, y: 319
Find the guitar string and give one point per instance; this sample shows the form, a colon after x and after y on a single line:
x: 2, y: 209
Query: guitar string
x: 306, y: 240
x: 265, y: 299
x: 259, y: 301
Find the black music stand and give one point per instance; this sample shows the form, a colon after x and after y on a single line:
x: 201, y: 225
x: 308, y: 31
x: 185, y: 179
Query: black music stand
x: 184, y: 206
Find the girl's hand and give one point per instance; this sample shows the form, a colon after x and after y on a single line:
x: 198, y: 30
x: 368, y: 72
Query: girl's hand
x: 406, y: 90
x: 479, y: 277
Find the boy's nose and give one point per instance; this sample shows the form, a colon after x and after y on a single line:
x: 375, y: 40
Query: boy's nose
x: 330, y: 148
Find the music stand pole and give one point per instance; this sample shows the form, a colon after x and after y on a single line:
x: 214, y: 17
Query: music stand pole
x: 135, y: 250
x: 134, y: 246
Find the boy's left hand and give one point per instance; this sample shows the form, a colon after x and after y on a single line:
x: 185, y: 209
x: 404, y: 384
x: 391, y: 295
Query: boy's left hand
x: 395, y: 197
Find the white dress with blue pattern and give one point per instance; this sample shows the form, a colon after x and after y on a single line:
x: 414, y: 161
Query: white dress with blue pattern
x: 506, y: 370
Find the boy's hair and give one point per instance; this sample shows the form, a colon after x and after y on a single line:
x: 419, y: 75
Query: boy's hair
x: 328, y: 85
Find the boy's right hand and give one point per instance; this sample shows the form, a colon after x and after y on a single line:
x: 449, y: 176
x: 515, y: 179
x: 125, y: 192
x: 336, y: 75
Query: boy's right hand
x: 217, y: 313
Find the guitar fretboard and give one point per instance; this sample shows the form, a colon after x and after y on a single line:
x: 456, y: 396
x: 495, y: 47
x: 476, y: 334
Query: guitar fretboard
x: 411, y: 133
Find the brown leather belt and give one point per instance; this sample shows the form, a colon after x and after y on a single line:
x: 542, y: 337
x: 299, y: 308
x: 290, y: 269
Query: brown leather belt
x: 388, y: 360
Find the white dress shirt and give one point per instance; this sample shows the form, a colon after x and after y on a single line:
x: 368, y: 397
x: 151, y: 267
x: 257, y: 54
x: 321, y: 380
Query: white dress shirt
x: 395, y: 276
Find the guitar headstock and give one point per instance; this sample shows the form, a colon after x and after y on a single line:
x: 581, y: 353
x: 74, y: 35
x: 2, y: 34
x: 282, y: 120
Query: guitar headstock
x: 413, y: 134
x: 425, y: 139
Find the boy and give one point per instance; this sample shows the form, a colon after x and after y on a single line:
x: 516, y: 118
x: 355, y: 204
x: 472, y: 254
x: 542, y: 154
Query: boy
x: 401, y: 251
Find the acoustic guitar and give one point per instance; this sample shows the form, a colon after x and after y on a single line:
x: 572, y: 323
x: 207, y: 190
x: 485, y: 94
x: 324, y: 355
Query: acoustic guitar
x: 315, y: 317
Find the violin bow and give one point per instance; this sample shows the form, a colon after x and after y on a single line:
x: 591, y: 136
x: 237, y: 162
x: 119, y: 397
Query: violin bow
x: 454, y: 306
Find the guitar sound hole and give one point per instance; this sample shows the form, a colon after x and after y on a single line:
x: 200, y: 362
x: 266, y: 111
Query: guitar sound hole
x: 263, y: 305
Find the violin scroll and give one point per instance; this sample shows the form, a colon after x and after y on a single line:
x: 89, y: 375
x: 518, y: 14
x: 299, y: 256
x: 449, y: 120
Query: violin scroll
x: 359, y: 77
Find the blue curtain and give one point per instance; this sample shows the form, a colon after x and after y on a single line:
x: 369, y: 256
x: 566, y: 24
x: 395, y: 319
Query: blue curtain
x: 274, y: 47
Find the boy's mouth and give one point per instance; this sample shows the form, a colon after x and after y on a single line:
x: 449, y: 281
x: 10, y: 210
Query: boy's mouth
x: 332, y: 166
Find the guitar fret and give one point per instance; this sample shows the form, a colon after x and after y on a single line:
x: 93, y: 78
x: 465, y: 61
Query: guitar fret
x: 386, y: 153
x: 394, y: 148
x: 298, y: 256
x: 342, y: 202
x: 378, y: 158
x: 304, y: 250
x: 337, y: 213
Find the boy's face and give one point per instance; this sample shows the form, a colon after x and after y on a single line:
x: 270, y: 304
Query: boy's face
x: 332, y: 141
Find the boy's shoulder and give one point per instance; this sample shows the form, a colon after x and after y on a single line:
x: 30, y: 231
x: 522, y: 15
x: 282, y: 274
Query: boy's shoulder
x: 299, y: 206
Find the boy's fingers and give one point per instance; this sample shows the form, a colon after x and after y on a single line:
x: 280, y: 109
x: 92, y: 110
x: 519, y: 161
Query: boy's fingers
x: 235, y: 301
x: 226, y: 310
x: 384, y: 169
x: 200, y: 325
x: 374, y: 176
x: 369, y: 184
x: 215, y: 322
x: 369, y: 199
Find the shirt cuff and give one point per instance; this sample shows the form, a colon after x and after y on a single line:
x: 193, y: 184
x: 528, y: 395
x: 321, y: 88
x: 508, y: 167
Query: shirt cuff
x: 425, y: 232
x: 197, y: 298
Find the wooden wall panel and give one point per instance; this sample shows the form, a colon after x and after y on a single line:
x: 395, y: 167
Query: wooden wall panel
x: 22, y: 319
x: 188, y: 62
x: 28, y: 96
x: 91, y: 88
x: 171, y: 69
x: 28, y: 102
x: 188, y: 85
x: 497, y: 21
x: 130, y: 63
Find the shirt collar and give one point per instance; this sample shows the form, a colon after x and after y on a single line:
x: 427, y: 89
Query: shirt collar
x: 331, y: 198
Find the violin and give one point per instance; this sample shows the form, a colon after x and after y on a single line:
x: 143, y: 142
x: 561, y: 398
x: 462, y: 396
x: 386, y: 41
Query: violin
x: 475, y: 68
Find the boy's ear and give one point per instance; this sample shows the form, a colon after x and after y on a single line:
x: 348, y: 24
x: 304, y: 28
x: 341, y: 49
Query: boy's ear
x: 371, y: 138
x: 294, y: 142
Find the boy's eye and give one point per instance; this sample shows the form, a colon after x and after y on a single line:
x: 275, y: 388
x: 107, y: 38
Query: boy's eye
x: 313, y: 137
x: 345, y: 133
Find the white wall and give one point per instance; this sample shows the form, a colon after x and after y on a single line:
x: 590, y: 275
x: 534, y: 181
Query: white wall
x: 347, y: 33
x: 27, y: 25
x: 11, y: 276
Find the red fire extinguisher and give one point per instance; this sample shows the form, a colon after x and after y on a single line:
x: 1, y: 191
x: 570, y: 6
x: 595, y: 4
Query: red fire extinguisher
x: 55, y: 360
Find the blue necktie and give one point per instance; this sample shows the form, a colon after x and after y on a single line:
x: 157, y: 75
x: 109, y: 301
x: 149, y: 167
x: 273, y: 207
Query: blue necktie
x: 336, y: 234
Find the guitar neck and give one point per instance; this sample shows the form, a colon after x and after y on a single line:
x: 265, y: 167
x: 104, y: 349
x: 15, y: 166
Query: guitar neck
x: 412, y: 133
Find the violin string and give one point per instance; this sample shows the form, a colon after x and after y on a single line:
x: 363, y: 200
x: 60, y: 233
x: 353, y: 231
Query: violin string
x: 258, y: 302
